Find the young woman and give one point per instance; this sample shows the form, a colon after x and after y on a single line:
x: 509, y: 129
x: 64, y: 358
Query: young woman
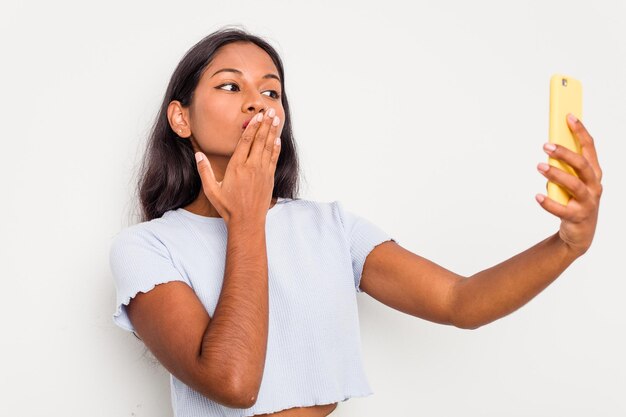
x: 247, y: 294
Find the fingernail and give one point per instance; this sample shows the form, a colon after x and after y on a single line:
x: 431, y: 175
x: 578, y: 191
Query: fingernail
x: 543, y: 167
x: 276, y: 121
x: 271, y: 113
x: 572, y: 118
x: 277, y: 141
x: 259, y: 117
x: 198, y: 157
x: 549, y: 147
x: 540, y: 198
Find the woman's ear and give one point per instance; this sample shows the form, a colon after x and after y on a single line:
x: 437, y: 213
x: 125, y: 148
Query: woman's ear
x: 178, y: 117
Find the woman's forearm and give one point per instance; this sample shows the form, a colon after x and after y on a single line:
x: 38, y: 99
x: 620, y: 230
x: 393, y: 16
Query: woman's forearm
x: 498, y: 291
x: 235, y: 342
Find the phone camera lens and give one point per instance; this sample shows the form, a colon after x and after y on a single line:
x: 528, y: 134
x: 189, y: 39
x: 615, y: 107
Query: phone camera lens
x: 564, y: 82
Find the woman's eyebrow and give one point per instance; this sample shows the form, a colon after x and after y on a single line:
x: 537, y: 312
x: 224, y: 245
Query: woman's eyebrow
x: 241, y: 73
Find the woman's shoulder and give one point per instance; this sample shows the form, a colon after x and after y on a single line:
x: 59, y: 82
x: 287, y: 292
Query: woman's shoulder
x: 152, y: 229
x: 314, y: 207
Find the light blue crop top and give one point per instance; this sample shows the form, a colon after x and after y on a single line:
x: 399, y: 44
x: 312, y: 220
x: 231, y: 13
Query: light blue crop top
x: 315, y: 251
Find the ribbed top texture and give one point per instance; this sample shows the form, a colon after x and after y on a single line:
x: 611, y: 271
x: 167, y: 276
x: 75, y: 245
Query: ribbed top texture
x: 315, y: 251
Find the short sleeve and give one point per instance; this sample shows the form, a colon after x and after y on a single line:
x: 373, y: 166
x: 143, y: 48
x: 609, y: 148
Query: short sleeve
x: 138, y: 261
x: 363, y: 236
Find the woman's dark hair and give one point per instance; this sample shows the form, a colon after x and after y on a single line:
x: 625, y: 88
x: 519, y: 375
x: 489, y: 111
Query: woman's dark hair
x: 168, y: 177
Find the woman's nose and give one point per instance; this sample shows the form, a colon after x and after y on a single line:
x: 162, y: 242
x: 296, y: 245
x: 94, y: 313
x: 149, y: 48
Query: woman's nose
x: 254, y: 103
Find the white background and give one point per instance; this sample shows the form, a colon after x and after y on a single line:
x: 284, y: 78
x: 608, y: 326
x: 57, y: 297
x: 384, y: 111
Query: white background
x: 426, y: 119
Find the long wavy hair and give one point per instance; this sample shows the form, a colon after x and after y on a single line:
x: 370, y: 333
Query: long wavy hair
x: 168, y: 176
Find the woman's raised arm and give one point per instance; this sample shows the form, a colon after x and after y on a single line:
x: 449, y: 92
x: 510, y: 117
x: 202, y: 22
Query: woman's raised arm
x: 417, y: 286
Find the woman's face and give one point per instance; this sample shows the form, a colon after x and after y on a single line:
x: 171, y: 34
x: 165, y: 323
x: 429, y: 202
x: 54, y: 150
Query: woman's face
x: 240, y: 82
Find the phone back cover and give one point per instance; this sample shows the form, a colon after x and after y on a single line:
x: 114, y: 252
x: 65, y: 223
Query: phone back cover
x: 564, y: 99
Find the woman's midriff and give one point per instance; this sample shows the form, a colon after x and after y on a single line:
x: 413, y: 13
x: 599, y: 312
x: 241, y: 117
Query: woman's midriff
x: 313, y: 411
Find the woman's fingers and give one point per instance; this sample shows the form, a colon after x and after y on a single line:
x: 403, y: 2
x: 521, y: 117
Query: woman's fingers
x: 271, y: 146
x: 574, y: 185
x: 245, y: 141
x: 579, y: 163
x: 209, y: 184
x: 587, y: 144
x: 273, y: 161
x: 579, y: 174
x: 556, y: 208
x: 261, y: 137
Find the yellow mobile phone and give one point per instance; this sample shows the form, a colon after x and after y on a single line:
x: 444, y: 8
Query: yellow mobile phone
x: 566, y: 96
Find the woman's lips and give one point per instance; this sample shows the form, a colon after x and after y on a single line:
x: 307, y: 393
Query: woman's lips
x: 245, y: 124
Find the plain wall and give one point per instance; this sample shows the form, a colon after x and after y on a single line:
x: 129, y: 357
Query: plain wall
x: 428, y: 119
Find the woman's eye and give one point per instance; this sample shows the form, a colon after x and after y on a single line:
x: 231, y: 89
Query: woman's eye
x: 274, y: 95
x: 224, y: 85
